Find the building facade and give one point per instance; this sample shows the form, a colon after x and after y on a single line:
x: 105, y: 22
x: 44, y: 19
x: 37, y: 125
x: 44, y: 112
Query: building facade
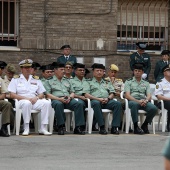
x: 97, y: 30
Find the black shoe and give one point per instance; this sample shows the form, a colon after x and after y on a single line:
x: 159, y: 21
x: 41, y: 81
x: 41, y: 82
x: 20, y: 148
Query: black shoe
x: 4, y: 132
x: 130, y: 130
x: 138, y: 131
x: 102, y: 131
x: 94, y: 128
x: 61, y: 130
x: 55, y: 127
x: 78, y: 130
x: 145, y: 129
x: 115, y: 131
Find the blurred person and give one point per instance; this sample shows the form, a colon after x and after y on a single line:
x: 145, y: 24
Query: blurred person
x: 35, y: 67
x: 68, y: 70
x: 2, y: 67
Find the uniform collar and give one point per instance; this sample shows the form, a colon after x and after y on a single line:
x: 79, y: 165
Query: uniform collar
x: 134, y: 79
x: 165, y: 81
x: 95, y: 80
x: 76, y: 78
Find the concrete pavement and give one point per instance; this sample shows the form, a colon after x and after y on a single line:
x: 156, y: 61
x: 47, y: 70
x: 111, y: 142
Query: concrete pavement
x: 88, y: 152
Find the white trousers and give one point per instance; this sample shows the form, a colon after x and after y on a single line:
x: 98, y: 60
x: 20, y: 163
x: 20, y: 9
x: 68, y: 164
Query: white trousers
x: 42, y: 104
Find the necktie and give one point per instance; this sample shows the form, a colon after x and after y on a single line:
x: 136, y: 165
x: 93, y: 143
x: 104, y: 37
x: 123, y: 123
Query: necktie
x: 66, y: 58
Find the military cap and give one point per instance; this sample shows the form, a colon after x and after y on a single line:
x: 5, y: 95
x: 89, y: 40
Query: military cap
x: 65, y: 46
x: 11, y: 68
x: 167, y: 67
x: 78, y: 65
x: 57, y: 65
x: 26, y: 63
x: 139, y: 66
x: 46, y: 67
x: 141, y: 45
x: 2, y: 64
x: 165, y: 52
x: 97, y: 65
x: 69, y: 63
x: 36, y: 65
x: 114, y: 67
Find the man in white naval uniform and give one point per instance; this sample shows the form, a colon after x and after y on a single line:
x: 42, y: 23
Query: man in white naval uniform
x: 29, y: 91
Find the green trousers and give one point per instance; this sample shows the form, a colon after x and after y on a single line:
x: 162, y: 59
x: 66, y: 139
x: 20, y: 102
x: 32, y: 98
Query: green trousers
x: 6, y: 111
x: 76, y: 106
x: 150, y: 108
x: 113, y: 105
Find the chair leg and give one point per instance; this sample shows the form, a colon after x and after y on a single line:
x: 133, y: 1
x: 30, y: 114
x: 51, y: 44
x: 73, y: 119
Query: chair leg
x: 106, y: 118
x: 159, y: 119
x: 18, y: 120
x: 36, y: 121
x: 123, y: 123
x: 128, y: 115
x: 90, y: 120
x: 153, y: 125
x: 68, y: 122
x: 164, y: 118
x: 51, y: 121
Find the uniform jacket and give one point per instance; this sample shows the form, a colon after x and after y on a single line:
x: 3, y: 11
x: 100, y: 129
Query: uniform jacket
x: 158, y: 75
x: 145, y: 58
x: 63, y: 60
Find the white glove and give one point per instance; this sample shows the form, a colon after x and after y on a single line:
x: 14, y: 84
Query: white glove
x: 144, y: 75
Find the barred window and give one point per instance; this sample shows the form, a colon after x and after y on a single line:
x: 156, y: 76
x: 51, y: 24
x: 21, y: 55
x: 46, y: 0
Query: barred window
x: 9, y: 17
x: 142, y: 21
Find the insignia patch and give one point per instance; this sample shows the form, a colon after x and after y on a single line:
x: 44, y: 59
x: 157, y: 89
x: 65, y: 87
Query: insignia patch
x: 36, y: 77
x: 16, y: 76
x: 157, y: 86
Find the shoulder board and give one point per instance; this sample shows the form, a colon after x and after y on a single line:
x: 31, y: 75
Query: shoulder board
x: 16, y: 76
x: 36, y: 77
x: 106, y: 80
x: 129, y: 79
x: 88, y: 79
x: 49, y: 78
x: 119, y: 79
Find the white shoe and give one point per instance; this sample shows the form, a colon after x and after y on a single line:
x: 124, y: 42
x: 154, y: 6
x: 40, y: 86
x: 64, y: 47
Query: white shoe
x: 44, y: 132
x: 26, y: 132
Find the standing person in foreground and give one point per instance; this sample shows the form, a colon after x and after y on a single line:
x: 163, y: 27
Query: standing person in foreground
x: 137, y: 91
x: 61, y: 92
x: 30, y: 93
x: 166, y: 154
x: 141, y: 57
x: 162, y: 91
x: 101, y: 93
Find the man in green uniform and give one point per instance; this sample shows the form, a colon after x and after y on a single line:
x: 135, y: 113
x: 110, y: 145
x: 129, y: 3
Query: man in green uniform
x: 137, y: 91
x: 60, y: 90
x: 5, y: 110
x: 68, y: 70
x: 158, y: 74
x: 66, y: 55
x: 166, y: 154
x: 141, y: 57
x: 101, y: 93
x: 47, y: 73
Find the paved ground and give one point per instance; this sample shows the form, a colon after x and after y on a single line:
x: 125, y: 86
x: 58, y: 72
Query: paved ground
x: 89, y: 152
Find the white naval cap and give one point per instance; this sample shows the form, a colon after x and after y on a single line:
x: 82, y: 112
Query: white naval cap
x: 26, y: 63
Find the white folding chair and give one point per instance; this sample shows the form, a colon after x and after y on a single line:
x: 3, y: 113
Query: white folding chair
x: 18, y: 118
x: 127, y: 115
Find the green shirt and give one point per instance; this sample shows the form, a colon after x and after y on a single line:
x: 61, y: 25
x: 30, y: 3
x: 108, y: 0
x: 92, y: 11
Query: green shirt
x: 166, y: 149
x: 100, y: 89
x: 58, y: 88
x: 138, y: 90
x: 78, y: 85
x: 43, y: 80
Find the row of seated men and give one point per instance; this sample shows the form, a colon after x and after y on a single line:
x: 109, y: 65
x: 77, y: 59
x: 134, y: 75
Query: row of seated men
x: 30, y: 91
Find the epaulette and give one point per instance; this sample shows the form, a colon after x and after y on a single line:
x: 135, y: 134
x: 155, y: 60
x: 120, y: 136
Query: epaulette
x: 119, y: 79
x: 36, y: 77
x: 107, y: 79
x: 88, y: 79
x: 49, y: 78
x: 16, y: 76
x: 129, y: 79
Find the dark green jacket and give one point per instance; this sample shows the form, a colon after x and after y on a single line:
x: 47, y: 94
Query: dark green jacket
x: 136, y: 58
x: 63, y: 60
x: 158, y: 75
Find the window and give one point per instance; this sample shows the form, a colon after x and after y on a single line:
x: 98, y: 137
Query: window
x: 8, y: 22
x: 140, y: 21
